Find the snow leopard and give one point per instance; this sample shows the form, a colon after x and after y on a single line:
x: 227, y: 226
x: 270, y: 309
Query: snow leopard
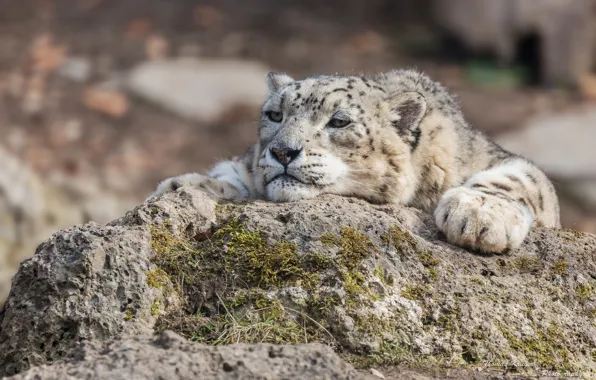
x: 396, y: 137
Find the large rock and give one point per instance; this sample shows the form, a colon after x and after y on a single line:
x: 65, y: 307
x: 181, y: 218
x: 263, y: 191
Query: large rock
x: 201, y: 90
x: 170, y: 356
x: 87, y: 282
x: 376, y: 282
x: 30, y: 211
x: 32, y: 208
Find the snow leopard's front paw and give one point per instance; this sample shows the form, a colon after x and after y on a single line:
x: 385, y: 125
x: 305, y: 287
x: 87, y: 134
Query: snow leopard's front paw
x: 484, y: 222
x: 217, y: 188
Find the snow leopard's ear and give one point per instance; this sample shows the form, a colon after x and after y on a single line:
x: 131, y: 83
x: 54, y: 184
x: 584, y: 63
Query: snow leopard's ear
x: 408, y: 110
x: 276, y: 80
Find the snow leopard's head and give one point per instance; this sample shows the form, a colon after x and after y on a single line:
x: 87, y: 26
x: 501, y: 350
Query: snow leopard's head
x: 344, y: 135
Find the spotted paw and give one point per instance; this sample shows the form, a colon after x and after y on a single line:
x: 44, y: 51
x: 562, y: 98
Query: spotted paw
x: 484, y: 222
x: 217, y: 188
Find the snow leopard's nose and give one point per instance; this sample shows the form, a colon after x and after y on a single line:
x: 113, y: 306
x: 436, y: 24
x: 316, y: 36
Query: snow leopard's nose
x: 285, y: 156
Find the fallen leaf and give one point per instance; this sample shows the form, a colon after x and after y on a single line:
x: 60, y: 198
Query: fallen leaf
x: 109, y: 102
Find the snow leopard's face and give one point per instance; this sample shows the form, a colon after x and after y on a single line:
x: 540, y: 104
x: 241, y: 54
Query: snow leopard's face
x: 336, y: 134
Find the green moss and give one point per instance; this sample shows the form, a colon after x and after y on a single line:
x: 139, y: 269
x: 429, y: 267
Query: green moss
x: 317, y: 262
x: 394, y: 352
x: 430, y: 262
x: 353, y: 282
x: 584, y: 292
x: 400, y: 239
x: 353, y: 248
x: 223, y: 208
x: 228, y: 285
x: 560, y: 267
x: 320, y: 305
x: 380, y: 273
x: 405, y: 243
x: 235, y: 259
x: 415, y: 292
x: 390, y: 352
x: 157, y: 278
x: 470, y: 355
x: 449, y: 319
x: 231, y: 251
x: 172, y: 255
x: 328, y: 240
x: 526, y: 264
x: 386, y: 279
x: 547, y: 348
x: 375, y: 325
x: 155, y: 308
x: 433, y: 274
x: 428, y: 259
x: 129, y: 315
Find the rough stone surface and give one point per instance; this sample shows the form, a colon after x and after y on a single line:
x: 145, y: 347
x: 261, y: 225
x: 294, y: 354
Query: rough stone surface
x: 32, y: 208
x: 87, y: 282
x: 170, y: 356
x: 201, y: 90
x: 78, y: 286
x: 376, y: 282
x: 29, y: 212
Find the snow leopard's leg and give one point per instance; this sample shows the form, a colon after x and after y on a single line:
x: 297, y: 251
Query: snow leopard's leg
x: 227, y: 180
x: 493, y: 211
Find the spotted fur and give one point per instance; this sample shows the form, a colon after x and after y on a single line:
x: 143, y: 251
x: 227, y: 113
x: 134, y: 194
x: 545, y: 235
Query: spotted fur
x: 398, y: 137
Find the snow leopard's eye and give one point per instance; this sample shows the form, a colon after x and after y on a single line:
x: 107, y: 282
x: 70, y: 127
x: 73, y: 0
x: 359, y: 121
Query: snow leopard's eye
x: 338, y: 123
x: 274, y: 116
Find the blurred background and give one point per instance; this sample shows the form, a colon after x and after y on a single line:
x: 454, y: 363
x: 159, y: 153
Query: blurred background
x: 101, y: 99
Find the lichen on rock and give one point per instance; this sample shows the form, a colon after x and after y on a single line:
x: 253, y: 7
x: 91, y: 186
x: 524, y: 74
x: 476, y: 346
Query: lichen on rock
x: 239, y: 287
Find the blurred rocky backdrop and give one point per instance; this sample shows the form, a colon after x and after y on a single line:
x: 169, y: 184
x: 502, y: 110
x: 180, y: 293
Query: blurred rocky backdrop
x: 101, y: 99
